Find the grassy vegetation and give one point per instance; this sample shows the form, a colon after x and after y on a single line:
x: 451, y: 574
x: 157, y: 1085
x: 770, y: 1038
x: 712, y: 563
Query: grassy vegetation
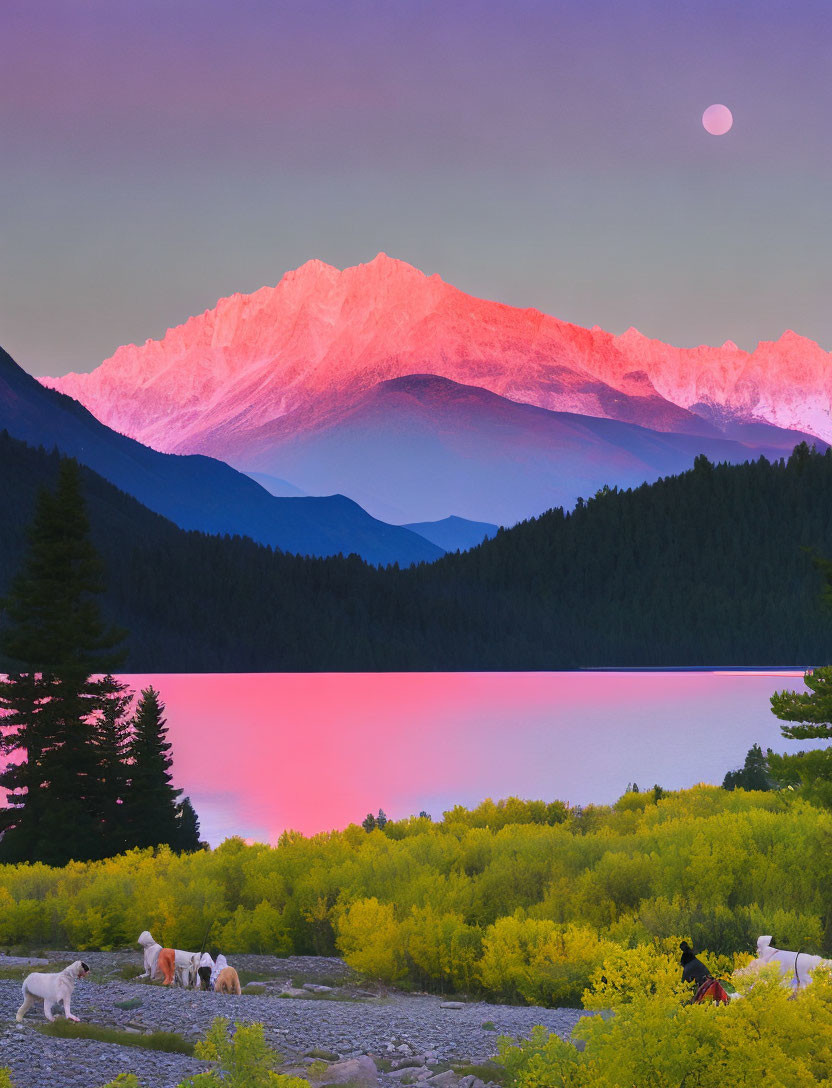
x: 170, y: 1042
x: 15, y: 973
x: 128, y: 972
x: 486, y: 1071
x: 320, y: 980
x: 22, y: 970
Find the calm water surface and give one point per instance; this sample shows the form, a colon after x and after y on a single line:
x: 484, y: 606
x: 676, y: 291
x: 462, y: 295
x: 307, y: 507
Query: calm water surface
x: 262, y: 752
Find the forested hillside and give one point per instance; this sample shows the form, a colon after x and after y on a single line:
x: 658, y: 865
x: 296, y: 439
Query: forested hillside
x: 706, y: 568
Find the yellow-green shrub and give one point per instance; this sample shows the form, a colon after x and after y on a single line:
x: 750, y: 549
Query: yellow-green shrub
x: 436, y: 904
x: 539, y: 961
x: 441, y: 948
x: 764, y: 1039
x: 370, y: 939
x: 244, y: 1059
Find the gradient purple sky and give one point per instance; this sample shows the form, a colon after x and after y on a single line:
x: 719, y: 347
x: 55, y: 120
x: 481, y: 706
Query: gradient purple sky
x: 157, y: 155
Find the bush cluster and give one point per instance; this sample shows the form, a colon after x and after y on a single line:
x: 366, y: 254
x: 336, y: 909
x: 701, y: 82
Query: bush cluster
x: 762, y: 1039
x: 519, y: 900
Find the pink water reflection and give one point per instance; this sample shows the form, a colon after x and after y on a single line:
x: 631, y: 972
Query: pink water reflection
x: 266, y: 751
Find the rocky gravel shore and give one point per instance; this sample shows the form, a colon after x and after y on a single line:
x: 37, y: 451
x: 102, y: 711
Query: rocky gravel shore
x: 313, y: 1009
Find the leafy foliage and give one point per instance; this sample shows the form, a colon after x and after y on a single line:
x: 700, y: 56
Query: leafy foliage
x: 765, y: 1039
x: 245, y: 1059
x: 523, y: 900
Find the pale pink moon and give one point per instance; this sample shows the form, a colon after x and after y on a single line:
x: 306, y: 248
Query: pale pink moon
x: 717, y: 119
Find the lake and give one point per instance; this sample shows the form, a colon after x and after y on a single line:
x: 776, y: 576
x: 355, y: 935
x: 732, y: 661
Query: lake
x: 259, y: 753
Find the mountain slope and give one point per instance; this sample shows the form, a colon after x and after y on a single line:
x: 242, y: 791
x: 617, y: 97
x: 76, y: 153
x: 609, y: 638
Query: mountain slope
x: 198, y: 492
x: 453, y: 533
x: 707, y: 568
x: 323, y: 332
x: 422, y: 446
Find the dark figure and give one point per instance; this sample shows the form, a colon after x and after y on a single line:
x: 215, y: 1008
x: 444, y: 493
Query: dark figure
x: 693, y: 970
x: 205, y: 978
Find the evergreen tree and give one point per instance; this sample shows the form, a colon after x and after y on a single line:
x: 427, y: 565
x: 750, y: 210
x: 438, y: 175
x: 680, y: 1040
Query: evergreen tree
x: 381, y: 820
x: 113, y: 741
x: 753, y: 775
x: 369, y: 822
x: 187, y: 828
x: 150, y: 805
x: 22, y: 733
x: 56, y: 640
x: 675, y: 571
x: 812, y: 710
x: 811, y: 714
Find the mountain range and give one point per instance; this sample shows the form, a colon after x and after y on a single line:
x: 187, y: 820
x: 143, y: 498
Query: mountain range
x: 712, y: 567
x: 197, y: 492
x: 421, y: 402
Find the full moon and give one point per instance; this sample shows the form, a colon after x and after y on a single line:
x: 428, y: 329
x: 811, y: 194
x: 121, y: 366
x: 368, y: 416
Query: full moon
x: 717, y: 119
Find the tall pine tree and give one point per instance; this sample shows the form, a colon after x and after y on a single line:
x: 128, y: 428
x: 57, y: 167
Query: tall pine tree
x: 54, y: 635
x: 113, y: 737
x: 810, y: 715
x: 150, y: 805
x: 187, y: 835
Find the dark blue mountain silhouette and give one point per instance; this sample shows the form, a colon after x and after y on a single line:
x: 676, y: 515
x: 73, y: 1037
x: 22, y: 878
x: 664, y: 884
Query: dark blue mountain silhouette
x: 199, y: 492
x: 454, y: 533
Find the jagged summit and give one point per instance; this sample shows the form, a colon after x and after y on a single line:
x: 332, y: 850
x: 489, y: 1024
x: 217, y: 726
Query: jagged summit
x: 286, y: 354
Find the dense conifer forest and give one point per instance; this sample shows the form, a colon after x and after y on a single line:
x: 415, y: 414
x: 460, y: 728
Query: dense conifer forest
x: 86, y: 779
x: 713, y: 567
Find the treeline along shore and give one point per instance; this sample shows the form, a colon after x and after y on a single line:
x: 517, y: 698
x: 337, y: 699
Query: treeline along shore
x: 712, y: 567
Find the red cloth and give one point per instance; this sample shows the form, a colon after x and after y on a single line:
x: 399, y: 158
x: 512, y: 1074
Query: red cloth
x: 711, y: 990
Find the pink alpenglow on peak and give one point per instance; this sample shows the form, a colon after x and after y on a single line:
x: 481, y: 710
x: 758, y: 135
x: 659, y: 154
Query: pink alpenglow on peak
x: 261, y: 372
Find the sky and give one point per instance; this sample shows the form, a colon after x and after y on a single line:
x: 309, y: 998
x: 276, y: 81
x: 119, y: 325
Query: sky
x: 155, y: 156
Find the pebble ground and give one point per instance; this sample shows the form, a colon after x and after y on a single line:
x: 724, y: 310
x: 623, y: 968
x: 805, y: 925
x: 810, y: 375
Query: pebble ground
x: 345, y: 1020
